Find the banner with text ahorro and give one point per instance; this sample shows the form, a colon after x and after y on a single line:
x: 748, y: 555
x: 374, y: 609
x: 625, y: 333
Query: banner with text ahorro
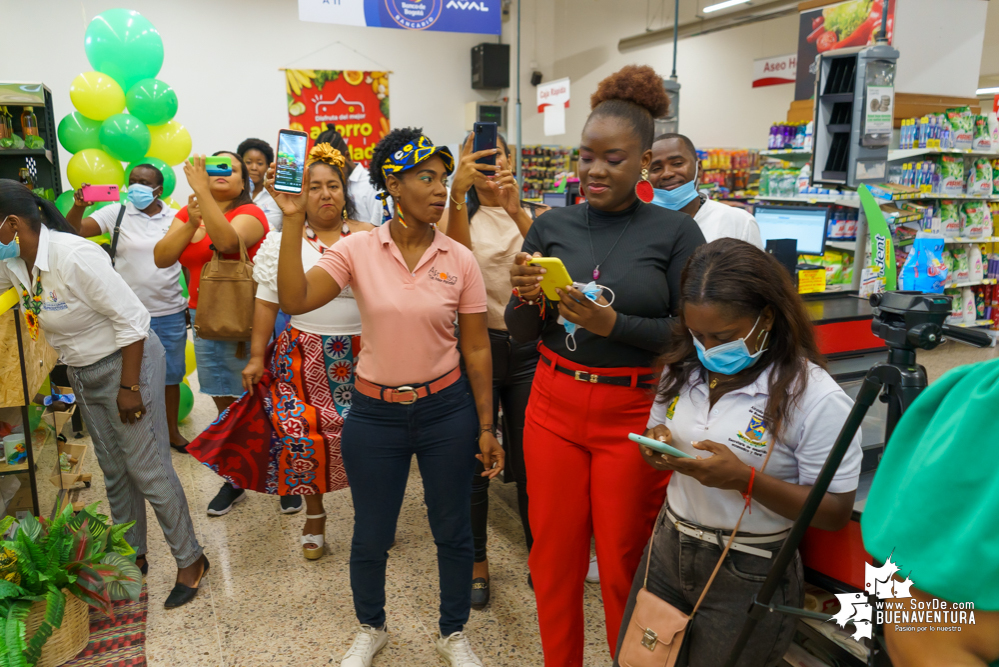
x: 355, y: 103
x: 478, y: 16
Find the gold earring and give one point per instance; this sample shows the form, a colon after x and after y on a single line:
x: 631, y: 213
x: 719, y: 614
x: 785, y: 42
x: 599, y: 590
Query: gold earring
x: 343, y: 213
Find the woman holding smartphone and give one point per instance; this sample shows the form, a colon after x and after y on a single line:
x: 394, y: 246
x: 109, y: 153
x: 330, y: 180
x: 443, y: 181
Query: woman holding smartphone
x: 302, y: 391
x: 494, y: 232
x: 410, y: 396
x: 219, y: 214
x: 592, y: 385
x: 745, y: 391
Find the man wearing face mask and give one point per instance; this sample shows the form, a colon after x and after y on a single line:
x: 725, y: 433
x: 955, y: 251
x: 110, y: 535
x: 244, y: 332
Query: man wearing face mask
x: 144, y: 221
x: 673, y: 173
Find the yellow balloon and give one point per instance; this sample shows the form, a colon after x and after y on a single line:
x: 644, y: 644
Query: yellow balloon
x: 172, y: 203
x: 171, y: 143
x: 94, y: 166
x: 97, y: 96
x: 189, y: 363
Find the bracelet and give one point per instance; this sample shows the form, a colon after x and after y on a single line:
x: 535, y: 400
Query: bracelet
x: 488, y: 428
x: 748, y: 495
x: 457, y: 204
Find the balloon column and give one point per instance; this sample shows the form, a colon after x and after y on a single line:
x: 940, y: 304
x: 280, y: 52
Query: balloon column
x: 123, y: 113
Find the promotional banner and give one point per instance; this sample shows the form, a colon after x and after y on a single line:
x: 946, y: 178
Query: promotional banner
x: 774, y: 71
x: 355, y: 103
x: 478, y: 16
x: 838, y: 25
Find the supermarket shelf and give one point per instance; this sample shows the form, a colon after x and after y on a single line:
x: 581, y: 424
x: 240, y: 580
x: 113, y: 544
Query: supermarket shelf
x: 842, y: 245
x: 969, y: 325
x: 28, y: 152
x: 787, y: 151
x: 906, y: 153
x: 987, y: 281
x: 960, y: 239
x: 838, y: 200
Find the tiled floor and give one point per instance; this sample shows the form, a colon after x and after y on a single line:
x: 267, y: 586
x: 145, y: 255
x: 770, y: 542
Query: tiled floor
x: 263, y: 604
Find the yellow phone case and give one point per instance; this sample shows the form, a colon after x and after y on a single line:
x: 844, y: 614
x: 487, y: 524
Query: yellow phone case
x: 556, y: 276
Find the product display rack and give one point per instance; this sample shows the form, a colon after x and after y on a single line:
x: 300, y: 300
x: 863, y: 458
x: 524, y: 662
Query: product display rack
x: 540, y: 164
x: 42, y: 163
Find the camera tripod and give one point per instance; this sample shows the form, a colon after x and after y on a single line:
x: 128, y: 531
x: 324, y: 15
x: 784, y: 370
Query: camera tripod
x: 905, y: 321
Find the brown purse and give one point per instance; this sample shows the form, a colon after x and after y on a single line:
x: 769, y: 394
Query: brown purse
x: 657, y: 628
x: 225, y: 298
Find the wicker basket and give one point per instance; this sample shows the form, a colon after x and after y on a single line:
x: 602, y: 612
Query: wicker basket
x: 68, y: 639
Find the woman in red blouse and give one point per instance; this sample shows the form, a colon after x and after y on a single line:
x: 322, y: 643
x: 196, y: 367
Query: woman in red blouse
x: 220, y: 213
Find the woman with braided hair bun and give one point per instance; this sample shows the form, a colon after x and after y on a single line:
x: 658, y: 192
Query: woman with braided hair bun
x: 299, y: 389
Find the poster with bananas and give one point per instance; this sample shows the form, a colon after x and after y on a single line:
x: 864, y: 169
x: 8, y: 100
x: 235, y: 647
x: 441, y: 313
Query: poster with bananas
x: 355, y: 103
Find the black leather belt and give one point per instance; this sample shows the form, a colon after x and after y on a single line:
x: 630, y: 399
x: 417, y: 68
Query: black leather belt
x: 643, y: 381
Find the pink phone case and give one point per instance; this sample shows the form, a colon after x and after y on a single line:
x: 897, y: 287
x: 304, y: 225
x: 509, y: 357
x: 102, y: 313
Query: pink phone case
x: 100, y: 193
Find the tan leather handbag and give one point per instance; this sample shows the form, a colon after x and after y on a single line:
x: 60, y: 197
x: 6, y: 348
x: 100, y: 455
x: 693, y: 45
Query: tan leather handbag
x: 225, y: 298
x: 657, y: 628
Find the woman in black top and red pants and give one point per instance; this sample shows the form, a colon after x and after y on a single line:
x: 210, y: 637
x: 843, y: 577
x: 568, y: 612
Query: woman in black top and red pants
x: 584, y: 476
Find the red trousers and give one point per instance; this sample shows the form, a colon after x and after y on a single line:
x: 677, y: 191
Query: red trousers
x: 584, y: 477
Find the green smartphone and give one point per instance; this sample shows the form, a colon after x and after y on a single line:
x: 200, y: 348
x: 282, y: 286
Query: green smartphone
x: 556, y: 276
x: 658, y: 446
x: 217, y: 165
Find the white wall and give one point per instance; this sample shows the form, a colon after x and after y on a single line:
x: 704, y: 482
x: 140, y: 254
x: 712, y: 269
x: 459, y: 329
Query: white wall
x: 718, y: 105
x: 940, y: 50
x: 224, y: 99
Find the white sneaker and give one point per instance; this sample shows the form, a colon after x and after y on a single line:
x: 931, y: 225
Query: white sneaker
x: 456, y: 651
x: 368, y: 642
x: 593, y: 574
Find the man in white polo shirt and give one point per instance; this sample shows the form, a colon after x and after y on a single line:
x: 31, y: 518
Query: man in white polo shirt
x: 146, y: 219
x: 674, y: 172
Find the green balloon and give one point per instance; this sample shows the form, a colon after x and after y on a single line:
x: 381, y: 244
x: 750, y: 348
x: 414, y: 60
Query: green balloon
x: 169, y: 177
x: 125, y: 137
x: 152, y: 101
x: 123, y: 44
x: 77, y: 132
x: 64, y: 202
x: 186, y: 401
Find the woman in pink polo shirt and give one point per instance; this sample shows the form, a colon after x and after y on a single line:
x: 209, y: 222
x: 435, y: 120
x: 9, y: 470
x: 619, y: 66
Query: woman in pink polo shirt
x: 410, y: 282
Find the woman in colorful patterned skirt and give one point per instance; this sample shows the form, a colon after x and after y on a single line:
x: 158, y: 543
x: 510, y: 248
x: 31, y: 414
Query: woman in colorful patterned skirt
x: 298, y: 389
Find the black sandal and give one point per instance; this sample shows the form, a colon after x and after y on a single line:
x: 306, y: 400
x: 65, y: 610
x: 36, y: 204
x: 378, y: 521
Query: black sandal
x: 180, y: 448
x: 181, y: 594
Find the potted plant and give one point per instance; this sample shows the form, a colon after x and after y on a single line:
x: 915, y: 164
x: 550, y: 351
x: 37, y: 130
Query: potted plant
x: 49, y: 572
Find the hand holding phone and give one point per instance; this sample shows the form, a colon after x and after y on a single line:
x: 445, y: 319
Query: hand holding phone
x: 555, y: 277
x: 290, y: 161
x: 660, y: 447
x: 485, y: 136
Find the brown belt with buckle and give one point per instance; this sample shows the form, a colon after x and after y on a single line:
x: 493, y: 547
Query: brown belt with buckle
x: 406, y: 394
x: 642, y: 381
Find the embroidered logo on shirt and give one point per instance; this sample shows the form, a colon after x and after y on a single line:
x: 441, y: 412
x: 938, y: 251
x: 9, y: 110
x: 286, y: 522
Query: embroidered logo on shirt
x: 53, y: 302
x: 755, y: 432
x: 671, y: 409
x: 442, y: 276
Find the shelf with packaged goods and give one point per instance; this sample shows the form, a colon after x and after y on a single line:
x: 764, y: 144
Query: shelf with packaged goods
x: 850, y: 246
x: 958, y: 239
x: 26, y: 152
x: 973, y: 283
x: 786, y: 152
x: 971, y: 325
x: 838, y: 200
x: 906, y: 153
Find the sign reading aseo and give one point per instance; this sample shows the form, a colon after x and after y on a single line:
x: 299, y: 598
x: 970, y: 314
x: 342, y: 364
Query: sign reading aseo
x: 478, y: 16
x: 775, y: 71
x: 553, y: 93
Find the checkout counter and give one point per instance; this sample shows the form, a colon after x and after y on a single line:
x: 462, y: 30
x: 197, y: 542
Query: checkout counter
x: 835, y: 560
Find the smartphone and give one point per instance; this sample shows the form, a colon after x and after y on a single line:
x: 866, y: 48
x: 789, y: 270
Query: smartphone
x: 556, y: 276
x: 484, y: 138
x: 100, y: 193
x: 217, y: 165
x: 659, y: 446
x: 290, y: 161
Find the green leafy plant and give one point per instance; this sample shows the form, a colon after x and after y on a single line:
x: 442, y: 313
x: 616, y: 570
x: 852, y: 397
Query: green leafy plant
x: 81, y: 553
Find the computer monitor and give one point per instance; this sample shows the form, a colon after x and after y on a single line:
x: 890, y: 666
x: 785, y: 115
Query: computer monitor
x: 806, y: 224
x: 554, y: 199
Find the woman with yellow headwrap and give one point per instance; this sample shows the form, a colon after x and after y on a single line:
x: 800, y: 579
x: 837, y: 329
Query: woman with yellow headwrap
x: 285, y: 431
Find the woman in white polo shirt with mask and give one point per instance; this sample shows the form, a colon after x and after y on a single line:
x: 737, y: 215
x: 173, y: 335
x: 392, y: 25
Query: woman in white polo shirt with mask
x: 745, y: 391
x: 146, y: 219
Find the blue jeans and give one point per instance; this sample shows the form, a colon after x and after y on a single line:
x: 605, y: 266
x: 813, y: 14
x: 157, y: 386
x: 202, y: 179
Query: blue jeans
x: 172, y: 332
x: 378, y: 442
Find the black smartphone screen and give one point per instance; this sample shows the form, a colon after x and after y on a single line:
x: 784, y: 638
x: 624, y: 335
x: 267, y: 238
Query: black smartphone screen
x: 290, y: 165
x: 484, y: 139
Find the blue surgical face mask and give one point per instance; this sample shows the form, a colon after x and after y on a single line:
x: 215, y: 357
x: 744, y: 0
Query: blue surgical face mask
x: 592, y: 291
x: 731, y: 357
x: 678, y: 197
x: 141, y: 195
x: 9, y: 250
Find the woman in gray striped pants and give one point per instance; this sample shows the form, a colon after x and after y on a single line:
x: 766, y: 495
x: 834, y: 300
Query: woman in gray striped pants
x: 116, y: 365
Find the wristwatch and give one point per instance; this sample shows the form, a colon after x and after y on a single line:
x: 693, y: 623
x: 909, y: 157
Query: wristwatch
x: 134, y: 387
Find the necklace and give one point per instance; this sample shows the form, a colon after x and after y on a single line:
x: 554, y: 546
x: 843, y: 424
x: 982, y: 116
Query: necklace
x: 589, y: 234
x: 32, y: 306
x: 312, y: 237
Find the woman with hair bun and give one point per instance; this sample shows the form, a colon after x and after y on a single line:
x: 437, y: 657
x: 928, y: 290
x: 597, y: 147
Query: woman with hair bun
x: 594, y: 382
